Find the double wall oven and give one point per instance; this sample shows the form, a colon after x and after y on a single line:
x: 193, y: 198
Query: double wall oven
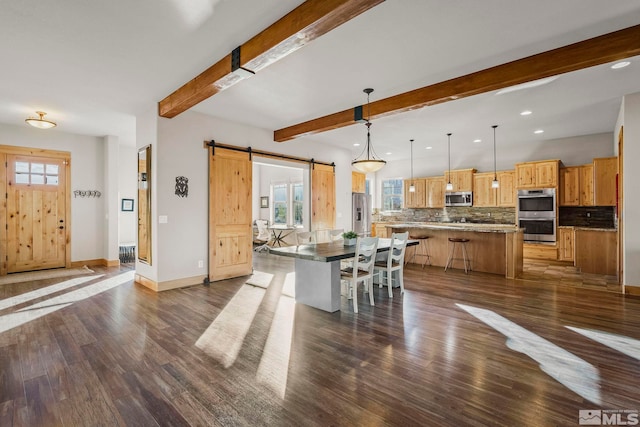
x: 537, y: 215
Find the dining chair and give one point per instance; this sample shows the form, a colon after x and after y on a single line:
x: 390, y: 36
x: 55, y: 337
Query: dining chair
x: 394, y: 262
x: 263, y: 236
x: 305, y: 237
x: 336, y: 234
x: 362, y: 269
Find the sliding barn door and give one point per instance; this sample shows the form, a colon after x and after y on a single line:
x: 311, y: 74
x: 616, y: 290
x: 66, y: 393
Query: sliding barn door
x: 36, y: 213
x: 323, y: 197
x: 230, y: 238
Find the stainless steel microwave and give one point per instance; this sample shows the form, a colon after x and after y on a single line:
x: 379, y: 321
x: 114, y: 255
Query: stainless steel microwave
x: 458, y: 198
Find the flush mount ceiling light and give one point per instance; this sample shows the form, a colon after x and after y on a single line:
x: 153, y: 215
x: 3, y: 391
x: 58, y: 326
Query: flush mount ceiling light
x: 449, y: 184
x: 527, y: 85
x: 370, y: 163
x: 412, y: 187
x: 494, y: 183
x: 40, y: 123
x: 622, y: 64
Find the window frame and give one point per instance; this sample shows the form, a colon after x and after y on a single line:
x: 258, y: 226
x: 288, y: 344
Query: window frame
x: 400, y: 194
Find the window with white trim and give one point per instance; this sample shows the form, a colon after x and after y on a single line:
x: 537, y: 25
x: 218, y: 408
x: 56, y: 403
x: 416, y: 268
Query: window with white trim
x: 392, y: 194
x: 288, y: 204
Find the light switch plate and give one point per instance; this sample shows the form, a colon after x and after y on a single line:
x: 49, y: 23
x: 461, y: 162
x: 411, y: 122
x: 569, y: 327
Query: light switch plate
x: 163, y: 219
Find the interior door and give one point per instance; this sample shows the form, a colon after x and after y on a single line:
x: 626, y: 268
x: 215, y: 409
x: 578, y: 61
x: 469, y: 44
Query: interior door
x: 36, y: 213
x: 323, y: 197
x: 231, y: 234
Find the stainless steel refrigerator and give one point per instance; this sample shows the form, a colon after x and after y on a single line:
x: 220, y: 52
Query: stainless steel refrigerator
x: 361, y: 211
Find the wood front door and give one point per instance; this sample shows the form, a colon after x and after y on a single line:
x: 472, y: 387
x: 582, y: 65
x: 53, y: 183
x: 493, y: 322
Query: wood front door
x: 231, y: 234
x: 35, y: 213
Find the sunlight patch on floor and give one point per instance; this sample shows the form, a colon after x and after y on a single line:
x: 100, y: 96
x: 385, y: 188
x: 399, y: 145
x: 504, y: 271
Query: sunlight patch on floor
x: 35, y: 311
x: 274, y: 364
x: 42, y: 292
x: 625, y: 345
x: 571, y: 371
x: 224, y: 337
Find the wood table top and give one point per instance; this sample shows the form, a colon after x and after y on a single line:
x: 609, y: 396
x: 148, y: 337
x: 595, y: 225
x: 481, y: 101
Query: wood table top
x: 329, y: 251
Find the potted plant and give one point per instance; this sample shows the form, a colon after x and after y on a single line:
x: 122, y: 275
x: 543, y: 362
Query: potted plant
x: 350, y: 238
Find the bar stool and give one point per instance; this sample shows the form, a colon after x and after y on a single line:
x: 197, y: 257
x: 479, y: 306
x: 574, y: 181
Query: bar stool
x: 465, y: 257
x: 422, y: 250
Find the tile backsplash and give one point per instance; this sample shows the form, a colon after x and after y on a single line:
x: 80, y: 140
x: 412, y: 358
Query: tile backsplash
x: 450, y: 214
x: 588, y: 216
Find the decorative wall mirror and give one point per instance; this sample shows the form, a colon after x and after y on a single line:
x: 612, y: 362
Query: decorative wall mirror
x: 144, y: 204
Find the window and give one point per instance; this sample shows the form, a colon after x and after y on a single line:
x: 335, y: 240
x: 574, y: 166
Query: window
x: 288, y: 203
x: 298, y: 196
x: 280, y: 204
x: 392, y: 194
x: 36, y: 173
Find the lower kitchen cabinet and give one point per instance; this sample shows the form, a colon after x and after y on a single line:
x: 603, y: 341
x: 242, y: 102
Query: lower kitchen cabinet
x: 565, y: 244
x: 596, y: 251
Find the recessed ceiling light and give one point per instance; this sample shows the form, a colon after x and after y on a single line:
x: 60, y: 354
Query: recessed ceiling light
x: 477, y: 140
x: 356, y: 145
x: 620, y: 64
x: 527, y: 85
x: 388, y: 153
x: 538, y: 131
x: 429, y: 148
x: 525, y: 113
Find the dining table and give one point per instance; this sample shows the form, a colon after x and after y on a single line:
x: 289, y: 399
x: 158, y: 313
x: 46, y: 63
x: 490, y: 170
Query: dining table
x: 317, y: 270
x: 279, y: 233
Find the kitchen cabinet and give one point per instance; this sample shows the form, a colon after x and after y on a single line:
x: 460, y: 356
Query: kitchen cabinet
x: 507, y: 190
x: 605, y: 170
x: 416, y: 199
x: 358, y: 182
x: 576, y: 186
x: 569, y: 191
x: 461, y: 179
x: 565, y: 243
x: 596, y: 251
x: 486, y: 196
x: 586, y: 185
x: 543, y: 174
x: 435, y: 192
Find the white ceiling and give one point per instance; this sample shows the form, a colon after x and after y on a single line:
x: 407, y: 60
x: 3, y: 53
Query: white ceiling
x: 92, y: 66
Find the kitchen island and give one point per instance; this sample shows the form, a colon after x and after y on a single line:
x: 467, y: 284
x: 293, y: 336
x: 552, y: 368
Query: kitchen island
x: 492, y: 248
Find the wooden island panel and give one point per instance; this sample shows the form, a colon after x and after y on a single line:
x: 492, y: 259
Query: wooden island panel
x: 496, y: 252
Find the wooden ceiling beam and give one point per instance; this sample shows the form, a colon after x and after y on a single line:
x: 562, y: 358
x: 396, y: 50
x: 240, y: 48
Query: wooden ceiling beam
x: 588, y: 53
x: 305, y: 23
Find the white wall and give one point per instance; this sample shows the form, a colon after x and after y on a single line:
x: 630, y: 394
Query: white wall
x: 87, y: 171
x: 127, y: 186
x: 630, y: 114
x: 183, y: 240
x: 572, y: 151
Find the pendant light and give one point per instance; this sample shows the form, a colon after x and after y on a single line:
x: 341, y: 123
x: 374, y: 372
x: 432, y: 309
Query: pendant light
x: 370, y: 163
x: 449, y: 184
x: 412, y: 187
x: 494, y: 183
x: 40, y: 123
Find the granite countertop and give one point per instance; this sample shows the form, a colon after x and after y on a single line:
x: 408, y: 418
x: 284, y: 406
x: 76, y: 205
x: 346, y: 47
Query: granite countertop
x: 459, y: 226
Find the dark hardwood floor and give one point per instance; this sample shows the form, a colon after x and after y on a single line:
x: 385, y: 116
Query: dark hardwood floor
x: 454, y: 350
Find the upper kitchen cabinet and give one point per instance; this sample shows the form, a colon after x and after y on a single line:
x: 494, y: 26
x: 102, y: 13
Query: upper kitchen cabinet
x: 415, y: 199
x: 435, y: 192
x: 461, y: 179
x: 576, y: 186
x: 605, y: 170
x: 484, y: 195
x: 543, y: 174
x: 569, y: 186
x: 507, y: 189
x: 358, y: 182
